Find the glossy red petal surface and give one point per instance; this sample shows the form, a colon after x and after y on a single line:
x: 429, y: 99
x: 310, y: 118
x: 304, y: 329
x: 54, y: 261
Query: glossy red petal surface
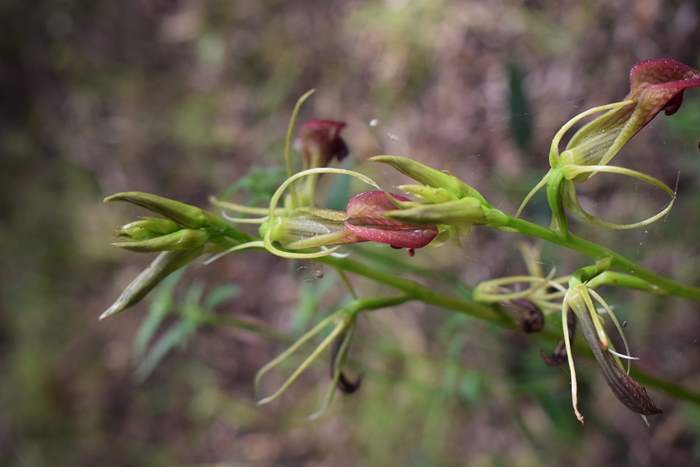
x: 366, y: 220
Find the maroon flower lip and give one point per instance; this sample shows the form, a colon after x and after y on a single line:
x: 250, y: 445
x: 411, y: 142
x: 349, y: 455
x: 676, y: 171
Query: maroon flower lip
x: 658, y: 84
x: 321, y: 139
x: 366, y: 220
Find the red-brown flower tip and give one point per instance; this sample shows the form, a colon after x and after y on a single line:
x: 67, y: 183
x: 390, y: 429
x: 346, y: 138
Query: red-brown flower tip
x: 658, y: 84
x: 321, y: 142
x: 366, y: 219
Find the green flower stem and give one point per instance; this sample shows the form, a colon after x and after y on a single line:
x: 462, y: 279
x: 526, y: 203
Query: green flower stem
x: 419, y: 292
x: 599, y: 252
x: 309, y: 190
x: 555, y: 185
x: 415, y: 291
x: 619, y: 279
x: 376, y: 303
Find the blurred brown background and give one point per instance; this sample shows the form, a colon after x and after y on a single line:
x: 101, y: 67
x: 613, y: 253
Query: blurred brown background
x: 182, y: 98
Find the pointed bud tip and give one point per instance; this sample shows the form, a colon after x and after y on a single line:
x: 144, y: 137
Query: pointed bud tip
x: 396, y: 161
x: 107, y: 313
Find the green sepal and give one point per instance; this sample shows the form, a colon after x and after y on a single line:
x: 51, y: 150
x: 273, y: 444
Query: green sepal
x: 430, y: 176
x: 465, y: 211
x: 147, y: 228
x: 185, y: 239
x: 303, y: 229
x: 183, y: 214
x: 428, y: 194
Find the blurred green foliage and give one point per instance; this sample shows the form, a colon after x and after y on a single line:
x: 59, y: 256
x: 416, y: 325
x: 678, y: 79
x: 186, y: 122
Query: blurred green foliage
x: 519, y: 109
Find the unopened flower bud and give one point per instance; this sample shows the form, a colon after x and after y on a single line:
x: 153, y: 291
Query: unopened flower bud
x: 430, y: 176
x: 368, y: 219
x: 184, y: 239
x: 183, y: 214
x: 144, y: 229
x: 428, y: 194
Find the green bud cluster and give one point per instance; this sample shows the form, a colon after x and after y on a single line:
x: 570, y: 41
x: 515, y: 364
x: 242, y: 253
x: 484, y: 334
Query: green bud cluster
x: 184, y: 233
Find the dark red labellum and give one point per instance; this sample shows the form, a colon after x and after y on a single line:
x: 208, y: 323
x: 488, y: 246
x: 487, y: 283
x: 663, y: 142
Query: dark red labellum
x: 323, y: 138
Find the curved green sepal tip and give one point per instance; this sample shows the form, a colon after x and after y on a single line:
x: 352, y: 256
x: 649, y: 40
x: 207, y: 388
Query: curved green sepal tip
x: 181, y: 213
x: 429, y: 176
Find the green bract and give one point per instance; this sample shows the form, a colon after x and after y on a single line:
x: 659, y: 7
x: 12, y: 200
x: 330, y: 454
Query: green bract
x: 431, y: 177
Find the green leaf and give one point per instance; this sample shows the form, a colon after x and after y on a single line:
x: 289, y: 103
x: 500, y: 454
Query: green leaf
x: 176, y: 335
x: 220, y: 295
